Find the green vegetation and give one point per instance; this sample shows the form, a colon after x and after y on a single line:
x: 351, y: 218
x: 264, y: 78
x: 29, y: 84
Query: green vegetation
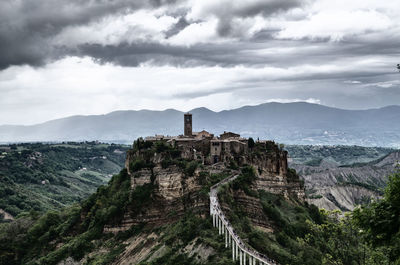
x: 314, y: 162
x: 191, y: 229
x: 44, y: 177
x: 57, y: 235
x: 304, y: 235
x: 380, y: 221
x: 251, y: 143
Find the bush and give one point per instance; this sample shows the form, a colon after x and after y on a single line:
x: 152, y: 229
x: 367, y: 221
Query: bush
x: 190, y: 168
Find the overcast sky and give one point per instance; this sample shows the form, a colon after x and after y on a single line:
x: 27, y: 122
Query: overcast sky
x: 66, y: 57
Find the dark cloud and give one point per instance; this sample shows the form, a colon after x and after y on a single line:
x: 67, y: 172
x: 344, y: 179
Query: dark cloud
x: 26, y: 27
x: 227, y: 14
x: 180, y: 25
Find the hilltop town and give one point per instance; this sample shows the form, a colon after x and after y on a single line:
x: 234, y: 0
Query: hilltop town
x: 208, y: 148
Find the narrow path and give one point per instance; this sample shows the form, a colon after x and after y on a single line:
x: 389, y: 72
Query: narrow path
x: 239, y: 250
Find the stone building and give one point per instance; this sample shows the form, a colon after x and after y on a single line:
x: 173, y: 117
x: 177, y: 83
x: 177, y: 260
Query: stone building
x: 188, y: 125
x: 204, y: 145
x: 229, y: 135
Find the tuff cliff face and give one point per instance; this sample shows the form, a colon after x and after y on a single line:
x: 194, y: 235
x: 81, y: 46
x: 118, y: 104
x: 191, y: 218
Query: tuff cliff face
x: 274, y: 176
x: 179, y: 184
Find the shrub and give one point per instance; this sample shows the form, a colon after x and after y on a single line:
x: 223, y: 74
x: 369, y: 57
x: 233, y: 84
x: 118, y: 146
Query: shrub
x: 190, y: 168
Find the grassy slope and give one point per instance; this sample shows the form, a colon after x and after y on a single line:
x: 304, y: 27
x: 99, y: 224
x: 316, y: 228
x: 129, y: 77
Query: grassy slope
x: 69, y: 172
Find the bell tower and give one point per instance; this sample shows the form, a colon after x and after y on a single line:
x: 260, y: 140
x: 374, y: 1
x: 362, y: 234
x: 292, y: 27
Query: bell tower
x: 188, y: 124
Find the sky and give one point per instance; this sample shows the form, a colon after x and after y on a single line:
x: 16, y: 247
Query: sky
x: 81, y: 57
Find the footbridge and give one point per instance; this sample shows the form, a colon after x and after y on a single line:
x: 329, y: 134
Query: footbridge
x: 240, y: 251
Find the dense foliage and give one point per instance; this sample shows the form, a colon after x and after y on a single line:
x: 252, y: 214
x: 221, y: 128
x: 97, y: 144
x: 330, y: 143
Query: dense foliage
x: 74, y: 231
x: 380, y: 221
x: 44, y: 177
x: 304, y: 235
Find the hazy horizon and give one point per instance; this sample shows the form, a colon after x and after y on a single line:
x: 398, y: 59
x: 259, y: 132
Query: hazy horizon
x: 180, y: 110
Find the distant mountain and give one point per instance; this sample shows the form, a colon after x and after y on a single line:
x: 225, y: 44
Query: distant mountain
x: 291, y: 123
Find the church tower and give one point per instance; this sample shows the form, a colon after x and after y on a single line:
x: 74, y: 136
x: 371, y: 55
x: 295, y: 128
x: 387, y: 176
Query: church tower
x: 188, y: 124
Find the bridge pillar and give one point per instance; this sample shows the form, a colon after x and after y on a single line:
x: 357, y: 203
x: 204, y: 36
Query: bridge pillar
x: 244, y: 258
x: 213, y: 217
x: 241, y: 257
x: 233, y: 251
x: 226, y: 239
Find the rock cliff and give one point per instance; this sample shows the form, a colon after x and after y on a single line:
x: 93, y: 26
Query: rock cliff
x: 179, y: 185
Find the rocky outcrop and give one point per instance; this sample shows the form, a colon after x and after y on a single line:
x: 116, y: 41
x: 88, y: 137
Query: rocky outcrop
x: 5, y: 216
x: 273, y: 174
x: 173, y: 193
x: 174, y: 190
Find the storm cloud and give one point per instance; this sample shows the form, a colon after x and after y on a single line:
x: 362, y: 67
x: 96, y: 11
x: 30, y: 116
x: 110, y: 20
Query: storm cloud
x: 66, y: 54
x: 27, y: 27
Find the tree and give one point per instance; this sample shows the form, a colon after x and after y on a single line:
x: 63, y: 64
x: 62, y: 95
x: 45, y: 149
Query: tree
x: 251, y: 143
x: 380, y: 221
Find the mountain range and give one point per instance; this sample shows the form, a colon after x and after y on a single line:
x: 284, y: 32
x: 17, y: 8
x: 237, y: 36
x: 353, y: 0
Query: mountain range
x: 289, y: 123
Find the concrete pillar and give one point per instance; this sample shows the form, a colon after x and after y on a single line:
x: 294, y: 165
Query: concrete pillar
x: 226, y: 239
x: 233, y: 251
x: 244, y: 258
x: 213, y: 217
x: 241, y: 257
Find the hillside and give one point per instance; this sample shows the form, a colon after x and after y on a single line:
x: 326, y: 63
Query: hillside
x: 342, y: 177
x: 291, y: 123
x: 45, y: 177
x: 157, y: 212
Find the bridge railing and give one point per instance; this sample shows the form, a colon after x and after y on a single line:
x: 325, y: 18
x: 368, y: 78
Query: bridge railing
x: 239, y: 249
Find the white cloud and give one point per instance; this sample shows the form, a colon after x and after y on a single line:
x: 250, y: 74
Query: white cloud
x: 336, y: 25
x: 352, y: 82
x: 200, y: 32
x: 142, y: 25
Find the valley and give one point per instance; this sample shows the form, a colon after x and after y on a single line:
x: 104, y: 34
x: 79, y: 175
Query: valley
x: 41, y: 177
